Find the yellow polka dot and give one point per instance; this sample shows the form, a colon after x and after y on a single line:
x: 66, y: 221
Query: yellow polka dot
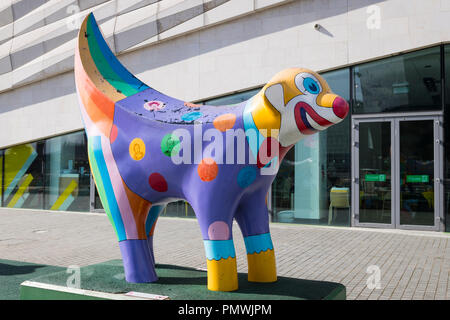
x: 137, y: 149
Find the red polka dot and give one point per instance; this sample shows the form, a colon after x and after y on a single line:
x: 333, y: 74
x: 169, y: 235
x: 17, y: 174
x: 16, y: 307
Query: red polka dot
x: 157, y: 182
x: 114, y: 132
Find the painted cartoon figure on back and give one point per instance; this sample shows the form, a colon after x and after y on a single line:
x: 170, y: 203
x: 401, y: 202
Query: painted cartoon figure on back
x: 136, y: 133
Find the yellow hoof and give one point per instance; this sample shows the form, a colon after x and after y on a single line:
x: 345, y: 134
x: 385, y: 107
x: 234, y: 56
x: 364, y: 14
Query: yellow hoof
x: 222, y: 274
x: 261, y: 266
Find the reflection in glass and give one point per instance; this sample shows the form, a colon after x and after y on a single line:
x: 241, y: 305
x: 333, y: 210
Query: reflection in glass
x: 1, y: 177
x: 409, y: 82
x: 97, y: 202
x: 283, y: 190
x: 23, y: 179
x: 375, y: 172
x: 338, y: 160
x: 416, y: 173
x: 339, y: 82
x: 67, y: 173
x: 232, y: 99
x: 180, y: 209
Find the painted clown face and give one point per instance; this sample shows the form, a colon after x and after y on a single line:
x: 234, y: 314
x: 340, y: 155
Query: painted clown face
x: 304, y: 104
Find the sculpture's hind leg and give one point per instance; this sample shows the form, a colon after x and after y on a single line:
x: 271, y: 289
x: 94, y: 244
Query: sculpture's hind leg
x: 150, y: 224
x: 137, y: 254
x: 253, y: 219
x: 126, y: 211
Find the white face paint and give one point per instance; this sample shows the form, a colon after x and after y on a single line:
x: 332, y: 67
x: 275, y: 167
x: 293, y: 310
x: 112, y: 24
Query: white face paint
x: 302, y: 116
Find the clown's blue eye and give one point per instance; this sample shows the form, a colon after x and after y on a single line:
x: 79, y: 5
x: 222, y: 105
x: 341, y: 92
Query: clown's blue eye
x: 311, y: 85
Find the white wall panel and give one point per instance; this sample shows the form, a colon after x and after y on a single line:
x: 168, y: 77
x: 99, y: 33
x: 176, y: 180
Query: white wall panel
x: 192, y: 60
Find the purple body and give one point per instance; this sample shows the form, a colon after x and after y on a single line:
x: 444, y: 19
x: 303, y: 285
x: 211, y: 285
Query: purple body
x: 222, y: 199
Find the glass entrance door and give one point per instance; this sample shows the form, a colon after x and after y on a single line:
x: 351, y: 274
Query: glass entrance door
x: 375, y: 172
x: 397, y: 172
x: 417, y: 173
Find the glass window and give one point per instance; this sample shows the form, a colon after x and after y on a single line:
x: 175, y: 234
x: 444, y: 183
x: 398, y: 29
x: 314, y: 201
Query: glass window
x: 232, y: 99
x: 447, y: 137
x: 417, y: 172
x: 97, y: 202
x: 375, y: 181
x: 67, y: 173
x: 409, y: 82
x: 283, y: 190
x: 313, y: 183
x: 23, y: 179
x: 180, y: 209
x: 337, y: 167
x: 1, y: 177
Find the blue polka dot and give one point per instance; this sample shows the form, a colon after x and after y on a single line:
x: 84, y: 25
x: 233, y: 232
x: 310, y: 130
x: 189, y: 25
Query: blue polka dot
x: 246, y: 176
x: 191, y: 116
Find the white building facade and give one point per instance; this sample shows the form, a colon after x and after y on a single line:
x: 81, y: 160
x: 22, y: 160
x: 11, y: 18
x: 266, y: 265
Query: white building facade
x: 386, y: 166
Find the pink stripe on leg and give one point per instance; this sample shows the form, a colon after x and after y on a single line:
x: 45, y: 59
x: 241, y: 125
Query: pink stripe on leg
x: 119, y: 191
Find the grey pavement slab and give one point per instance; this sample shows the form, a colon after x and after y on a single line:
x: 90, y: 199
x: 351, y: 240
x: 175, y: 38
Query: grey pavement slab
x: 406, y: 264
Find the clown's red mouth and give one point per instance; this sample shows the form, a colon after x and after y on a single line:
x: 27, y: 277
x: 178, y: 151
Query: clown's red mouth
x: 300, y: 111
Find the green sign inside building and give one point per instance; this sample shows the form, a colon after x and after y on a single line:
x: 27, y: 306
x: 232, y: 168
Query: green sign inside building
x: 375, y: 177
x: 424, y: 178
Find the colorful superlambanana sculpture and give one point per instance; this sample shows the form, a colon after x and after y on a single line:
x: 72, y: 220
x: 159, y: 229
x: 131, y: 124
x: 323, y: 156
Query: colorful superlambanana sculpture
x: 144, y: 152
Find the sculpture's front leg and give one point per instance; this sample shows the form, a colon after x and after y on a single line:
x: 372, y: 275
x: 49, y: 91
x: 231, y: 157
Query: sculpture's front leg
x: 253, y: 219
x: 215, y: 218
x: 221, y: 265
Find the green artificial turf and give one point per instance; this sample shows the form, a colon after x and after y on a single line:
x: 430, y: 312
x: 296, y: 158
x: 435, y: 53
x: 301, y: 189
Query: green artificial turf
x: 190, y: 284
x: 13, y: 273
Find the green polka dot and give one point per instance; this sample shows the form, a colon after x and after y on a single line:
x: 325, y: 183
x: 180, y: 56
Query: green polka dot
x: 170, y: 144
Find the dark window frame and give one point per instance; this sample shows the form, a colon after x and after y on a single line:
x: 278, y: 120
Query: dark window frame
x: 2, y: 153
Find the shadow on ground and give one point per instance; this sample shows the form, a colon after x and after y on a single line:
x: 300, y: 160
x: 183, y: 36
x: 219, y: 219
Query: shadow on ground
x: 13, y: 273
x: 9, y: 269
x: 185, y: 283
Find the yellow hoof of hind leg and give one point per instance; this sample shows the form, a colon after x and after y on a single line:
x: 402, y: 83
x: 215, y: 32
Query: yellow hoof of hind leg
x: 222, y: 274
x: 261, y: 266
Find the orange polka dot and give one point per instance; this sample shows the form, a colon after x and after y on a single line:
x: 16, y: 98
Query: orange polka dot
x: 207, y: 169
x: 224, y: 122
x: 192, y: 105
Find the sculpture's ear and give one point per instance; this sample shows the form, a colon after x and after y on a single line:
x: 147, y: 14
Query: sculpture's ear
x: 95, y: 62
x: 275, y: 95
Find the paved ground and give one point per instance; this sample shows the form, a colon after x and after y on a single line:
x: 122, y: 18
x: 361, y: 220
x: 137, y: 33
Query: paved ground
x: 412, y: 265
